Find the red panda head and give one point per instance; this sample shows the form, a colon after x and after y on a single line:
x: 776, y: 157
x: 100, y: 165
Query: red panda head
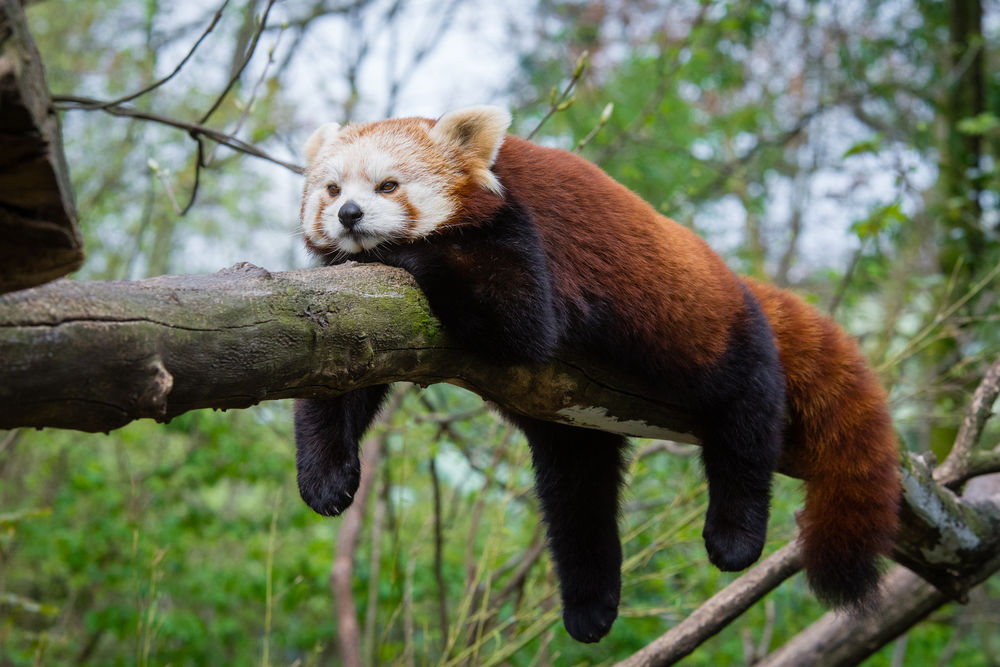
x: 396, y: 180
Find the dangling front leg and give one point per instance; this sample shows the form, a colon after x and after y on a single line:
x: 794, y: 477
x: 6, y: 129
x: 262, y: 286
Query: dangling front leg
x: 578, y: 475
x: 327, y: 432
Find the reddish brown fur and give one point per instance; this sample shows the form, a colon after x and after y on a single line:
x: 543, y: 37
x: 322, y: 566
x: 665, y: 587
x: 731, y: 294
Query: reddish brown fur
x: 624, y: 236
x: 840, y: 439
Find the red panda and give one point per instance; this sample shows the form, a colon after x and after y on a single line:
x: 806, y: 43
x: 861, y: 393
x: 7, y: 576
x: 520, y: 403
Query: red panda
x: 521, y: 249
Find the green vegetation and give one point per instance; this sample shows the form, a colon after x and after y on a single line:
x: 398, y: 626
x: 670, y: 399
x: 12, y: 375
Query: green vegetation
x: 849, y: 150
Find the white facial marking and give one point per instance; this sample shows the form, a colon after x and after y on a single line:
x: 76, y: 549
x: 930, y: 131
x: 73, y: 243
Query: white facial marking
x: 418, y: 206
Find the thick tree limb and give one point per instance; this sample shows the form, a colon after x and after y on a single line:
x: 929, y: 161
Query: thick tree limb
x: 95, y: 356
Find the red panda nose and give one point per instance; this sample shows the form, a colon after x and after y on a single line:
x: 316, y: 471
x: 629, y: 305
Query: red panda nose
x: 350, y: 213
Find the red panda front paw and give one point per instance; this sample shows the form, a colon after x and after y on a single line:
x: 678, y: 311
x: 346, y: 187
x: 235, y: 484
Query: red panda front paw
x: 331, y: 493
x: 588, y: 622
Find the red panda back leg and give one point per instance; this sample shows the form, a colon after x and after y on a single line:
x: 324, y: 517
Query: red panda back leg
x: 742, y: 423
x: 578, y: 477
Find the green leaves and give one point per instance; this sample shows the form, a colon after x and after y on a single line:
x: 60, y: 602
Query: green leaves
x: 984, y: 123
x: 870, y: 145
x: 881, y: 219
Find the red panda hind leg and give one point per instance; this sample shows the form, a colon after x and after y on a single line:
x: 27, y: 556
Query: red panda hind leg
x: 578, y: 478
x: 742, y: 415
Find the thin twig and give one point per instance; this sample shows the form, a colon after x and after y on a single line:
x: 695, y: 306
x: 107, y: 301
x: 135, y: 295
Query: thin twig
x: 438, y: 557
x: 265, y: 659
x: 601, y: 122
x: 199, y: 162
x: 943, y: 315
x: 846, y: 279
x: 69, y: 102
x: 562, y: 101
x: 9, y: 440
x: 656, y: 97
x: 434, y: 39
x: 156, y: 84
x: 471, y: 570
x: 956, y: 467
x: 239, y: 70
x: 248, y: 105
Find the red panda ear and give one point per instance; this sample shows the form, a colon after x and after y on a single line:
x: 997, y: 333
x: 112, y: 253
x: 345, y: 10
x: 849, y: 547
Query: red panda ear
x: 478, y: 133
x: 318, y: 138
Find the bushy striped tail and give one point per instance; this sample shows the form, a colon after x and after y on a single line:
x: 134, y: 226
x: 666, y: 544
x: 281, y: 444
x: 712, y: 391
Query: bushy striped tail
x: 839, y: 440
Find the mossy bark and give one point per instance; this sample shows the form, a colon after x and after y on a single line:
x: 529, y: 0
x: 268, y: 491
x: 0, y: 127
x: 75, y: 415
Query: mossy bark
x: 94, y: 356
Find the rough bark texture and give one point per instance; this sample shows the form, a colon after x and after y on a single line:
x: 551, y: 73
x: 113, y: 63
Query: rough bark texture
x: 95, y: 356
x: 37, y: 218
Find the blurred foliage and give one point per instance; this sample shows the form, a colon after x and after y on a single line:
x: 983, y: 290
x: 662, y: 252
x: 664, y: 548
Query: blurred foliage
x: 831, y: 146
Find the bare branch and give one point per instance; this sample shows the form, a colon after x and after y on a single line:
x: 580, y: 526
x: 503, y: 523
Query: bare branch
x: 156, y: 84
x: 957, y: 467
x: 239, y: 70
x: 442, y: 592
x: 69, y: 102
x: 719, y: 610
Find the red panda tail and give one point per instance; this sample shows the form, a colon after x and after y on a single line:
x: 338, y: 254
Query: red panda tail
x: 840, y: 440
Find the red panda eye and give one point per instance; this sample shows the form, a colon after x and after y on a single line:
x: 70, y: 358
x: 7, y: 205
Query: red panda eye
x: 333, y: 189
x: 388, y: 186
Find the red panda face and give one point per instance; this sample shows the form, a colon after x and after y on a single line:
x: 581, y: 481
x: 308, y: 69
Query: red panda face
x: 395, y: 181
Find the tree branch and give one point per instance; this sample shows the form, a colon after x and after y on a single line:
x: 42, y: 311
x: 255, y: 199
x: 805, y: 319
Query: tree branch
x: 156, y: 84
x: 720, y: 610
x: 242, y: 66
x: 69, y: 102
x: 963, y: 458
x: 40, y: 238
x: 94, y: 356
x: 846, y: 639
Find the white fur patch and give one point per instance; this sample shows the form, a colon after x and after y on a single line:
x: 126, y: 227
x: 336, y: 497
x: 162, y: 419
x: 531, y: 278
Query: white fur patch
x: 358, y: 167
